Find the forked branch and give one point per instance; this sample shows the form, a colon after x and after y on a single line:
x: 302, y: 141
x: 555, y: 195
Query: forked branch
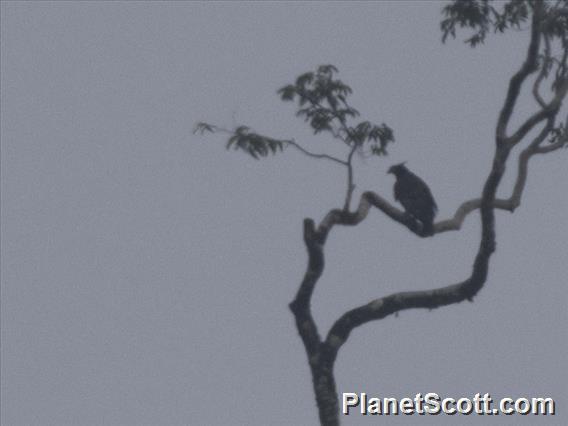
x: 322, y: 354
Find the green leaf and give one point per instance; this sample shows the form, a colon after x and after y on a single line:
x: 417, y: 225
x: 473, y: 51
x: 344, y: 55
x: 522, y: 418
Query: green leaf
x: 202, y: 127
x: 327, y: 69
x: 305, y: 78
x: 287, y: 92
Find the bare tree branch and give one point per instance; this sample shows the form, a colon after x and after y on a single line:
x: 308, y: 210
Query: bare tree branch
x: 549, y: 148
x: 509, y: 204
x: 311, y: 154
x: 549, y: 111
x: 542, y: 74
x: 529, y: 66
x: 467, y: 207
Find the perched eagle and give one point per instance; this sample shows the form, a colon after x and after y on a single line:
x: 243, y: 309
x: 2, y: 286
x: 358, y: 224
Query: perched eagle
x: 415, y: 196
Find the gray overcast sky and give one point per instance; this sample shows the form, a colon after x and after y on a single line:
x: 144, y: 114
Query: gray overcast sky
x: 146, y: 271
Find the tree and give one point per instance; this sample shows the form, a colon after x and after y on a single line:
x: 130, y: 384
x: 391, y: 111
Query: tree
x: 322, y: 101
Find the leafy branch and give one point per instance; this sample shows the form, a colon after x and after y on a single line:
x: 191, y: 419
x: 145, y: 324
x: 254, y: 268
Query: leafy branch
x: 322, y: 102
x: 256, y: 145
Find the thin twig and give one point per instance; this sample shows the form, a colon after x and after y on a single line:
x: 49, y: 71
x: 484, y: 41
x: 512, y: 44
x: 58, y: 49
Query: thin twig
x: 350, y: 184
x: 542, y: 73
x: 311, y: 154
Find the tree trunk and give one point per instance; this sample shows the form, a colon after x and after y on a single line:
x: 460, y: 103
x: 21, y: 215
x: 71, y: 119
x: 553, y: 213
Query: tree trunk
x: 326, y: 394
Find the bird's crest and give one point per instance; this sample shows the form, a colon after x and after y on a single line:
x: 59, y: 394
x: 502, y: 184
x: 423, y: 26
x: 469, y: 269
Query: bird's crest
x: 395, y: 169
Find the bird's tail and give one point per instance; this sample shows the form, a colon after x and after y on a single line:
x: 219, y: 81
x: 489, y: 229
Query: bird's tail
x: 428, y: 227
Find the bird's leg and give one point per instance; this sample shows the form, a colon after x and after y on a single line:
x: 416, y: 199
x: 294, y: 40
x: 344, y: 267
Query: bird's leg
x: 419, y: 223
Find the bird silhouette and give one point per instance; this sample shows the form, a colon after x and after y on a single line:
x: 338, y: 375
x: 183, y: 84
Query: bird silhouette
x: 415, y: 196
